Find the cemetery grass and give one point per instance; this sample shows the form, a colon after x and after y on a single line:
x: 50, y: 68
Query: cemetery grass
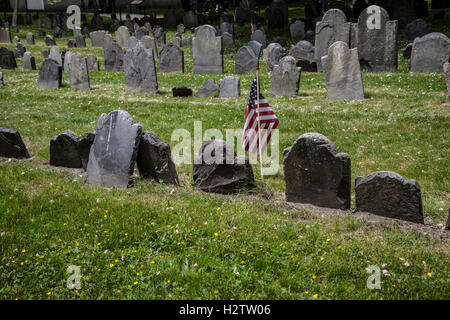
x: 156, y: 241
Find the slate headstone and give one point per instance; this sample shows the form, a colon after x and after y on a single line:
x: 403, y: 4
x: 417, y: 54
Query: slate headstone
x: 30, y: 39
x: 150, y: 43
x: 208, y: 89
x: 80, y: 41
x: 5, y: 35
x: 430, y: 52
x: 113, y: 57
x: 49, y: 41
x: 122, y: 36
x: 297, y: 29
x: 230, y: 87
x: 302, y: 50
x: 78, y: 72
x: 417, y: 28
x: 140, y: 70
x: 245, y: 60
x: 64, y: 150
x: 181, y: 91
x: 97, y: 38
x: 29, y: 62
x: 207, y: 51
x: 55, y: 55
x: 92, y: 62
x: 12, y: 145
x: 50, y: 75
x: 171, y: 59
x: 67, y: 60
x: 256, y: 47
x: 285, y: 78
x: 259, y: 36
x: 274, y: 55
x: 7, y: 59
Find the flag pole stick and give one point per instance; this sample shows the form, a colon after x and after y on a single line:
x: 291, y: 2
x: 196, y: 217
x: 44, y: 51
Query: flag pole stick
x: 259, y: 120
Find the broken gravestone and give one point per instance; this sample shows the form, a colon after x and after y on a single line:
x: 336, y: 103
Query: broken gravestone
x: 11, y: 144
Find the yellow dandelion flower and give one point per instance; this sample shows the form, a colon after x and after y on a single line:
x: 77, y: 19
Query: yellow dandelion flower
x: 23, y: 251
x: 321, y: 258
x: 429, y: 274
x: 111, y: 265
x: 21, y: 263
x: 118, y: 291
x: 315, y: 296
x: 242, y: 262
x: 328, y: 239
x: 216, y: 291
x: 135, y: 283
x: 49, y: 293
x: 153, y: 262
x: 216, y: 234
x: 168, y: 281
x: 314, y: 277
x: 126, y: 234
x: 116, y: 261
x: 306, y: 292
x: 99, y: 244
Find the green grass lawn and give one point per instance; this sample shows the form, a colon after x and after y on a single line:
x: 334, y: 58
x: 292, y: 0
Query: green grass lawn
x: 157, y: 241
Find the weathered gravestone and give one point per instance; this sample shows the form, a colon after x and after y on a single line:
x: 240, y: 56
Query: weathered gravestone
x: 64, y: 150
x: 30, y: 39
x: 302, y: 50
x: 80, y: 41
x: 79, y: 73
x: 160, y: 36
x: 333, y: 27
x: 122, y: 36
x: 150, y: 43
x: 114, y: 151
x: 256, y: 47
x: 207, y: 51
x: 417, y: 28
x: 49, y: 41
x: 50, y: 75
x: 92, y: 62
x: 375, y: 37
x: 190, y: 20
x: 430, y: 52
x: 67, y: 59
x: 388, y: 194
x: 154, y: 159
x: 45, y: 53
x: 113, y: 57
x: 342, y: 73
x: 285, y: 78
x: 171, y: 59
x: 7, y: 59
x: 11, y: 144
x: 297, y: 29
x: 5, y: 35
x: 55, y: 55
x: 181, y: 91
x: 227, y: 40
x: 315, y: 173
x: 218, y: 169
x: 132, y: 42
x: 107, y: 40
x: 230, y: 87
x: 208, y: 89
x: 259, y: 36
x: 29, y: 62
x: 140, y: 70
x: 274, y: 54
x: 98, y: 38
x: 71, y: 44
x: 245, y: 60
x: 20, y: 49
x: 180, y: 28
x: 447, y: 76
x: 84, y: 148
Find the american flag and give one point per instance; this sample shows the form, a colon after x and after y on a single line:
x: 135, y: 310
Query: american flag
x: 268, y: 122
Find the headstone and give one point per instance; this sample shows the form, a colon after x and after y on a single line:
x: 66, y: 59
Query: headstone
x: 7, y: 59
x: 218, y: 169
x: 259, y: 36
x: 302, y: 50
x: 171, y: 59
x: 140, y: 70
x: 58, y: 33
x: 28, y: 61
x: 342, y: 73
x: 71, y: 44
x: 78, y: 72
x: 208, y: 89
x: 274, y: 55
x: 20, y: 49
x: 114, y: 151
x: 113, y: 57
x: 310, y: 36
x: 92, y: 62
x: 190, y: 20
x: 376, y: 40
x: 160, y: 36
x: 447, y: 76
x: 50, y: 75
x: 108, y: 39
x: 64, y: 150
x: 285, y: 78
x: 177, y: 40
x: 407, y: 51
x: 55, y: 55
x: 316, y: 173
x: 207, y: 51
x: 84, y: 148
x: 245, y: 60
x: 181, y: 28
x: 11, y: 144
x: 122, y: 36
x: 256, y: 47
x: 154, y: 159
x: 28, y: 19
x: 49, y: 41
x: 297, y: 29
x: 5, y: 35
x: 181, y: 91
x: 430, y: 52
x: 80, y: 42
x: 388, y: 194
x: 98, y: 38
x: 227, y: 40
x: 150, y: 43
x: 132, y: 42
x: 30, y: 38
x: 417, y: 28
x: 16, y: 40
x: 45, y: 53
x: 67, y: 60
x: 333, y: 27
x: 230, y: 87
x: 47, y: 23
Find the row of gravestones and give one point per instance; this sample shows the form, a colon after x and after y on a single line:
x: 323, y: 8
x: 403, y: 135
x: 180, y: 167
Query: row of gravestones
x: 315, y: 172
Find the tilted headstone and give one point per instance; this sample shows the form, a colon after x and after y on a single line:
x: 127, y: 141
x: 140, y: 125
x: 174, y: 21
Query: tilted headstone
x: 140, y: 70
x: 122, y: 36
x: 297, y: 29
x: 79, y: 73
x: 50, y: 75
x: 316, y: 173
x: 207, y: 51
x: 208, y: 89
x: 150, y: 43
x: 333, y: 27
x: 7, y: 59
x: 49, y: 41
x: 113, y: 57
x: 92, y: 62
x: 375, y: 37
x: 12, y: 145
x: 245, y: 60
x: 30, y: 39
x: 342, y: 73
x: 230, y: 87
x: 302, y: 50
x: 227, y: 27
x: 218, y: 169
x: 388, y: 194
x: 114, y: 151
x: 285, y: 78
x: 171, y: 59
x: 259, y: 36
x: 5, y: 35
x: 447, y: 76
x: 417, y: 28
x: 29, y: 62
x: 64, y: 150
x: 55, y: 55
x: 430, y: 52
x: 154, y: 159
